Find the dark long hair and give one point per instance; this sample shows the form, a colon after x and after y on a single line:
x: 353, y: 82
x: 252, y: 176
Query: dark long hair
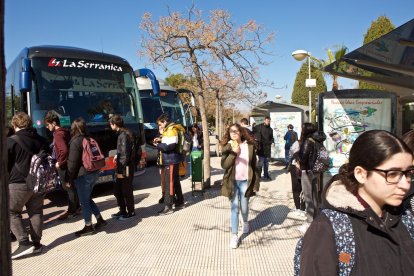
x: 408, y: 138
x: 370, y: 150
x: 307, y: 130
x: 197, y: 129
x: 78, y: 127
x: 244, y: 135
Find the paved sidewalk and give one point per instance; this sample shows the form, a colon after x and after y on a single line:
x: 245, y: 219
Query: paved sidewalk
x: 191, y: 241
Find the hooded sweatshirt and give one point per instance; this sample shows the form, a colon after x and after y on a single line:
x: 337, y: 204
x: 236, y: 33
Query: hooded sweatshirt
x: 18, y: 162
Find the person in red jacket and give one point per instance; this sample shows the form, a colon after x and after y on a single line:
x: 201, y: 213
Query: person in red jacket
x: 61, y: 138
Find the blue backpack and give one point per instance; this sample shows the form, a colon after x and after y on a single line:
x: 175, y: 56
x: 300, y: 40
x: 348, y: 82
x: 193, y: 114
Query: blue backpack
x: 345, y: 240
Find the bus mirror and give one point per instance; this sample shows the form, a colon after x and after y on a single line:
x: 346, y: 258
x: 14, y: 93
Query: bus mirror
x: 25, y: 81
x: 193, y: 103
x: 149, y: 74
x: 155, y: 87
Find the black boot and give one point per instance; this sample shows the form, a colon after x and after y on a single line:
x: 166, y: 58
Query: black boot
x: 87, y: 230
x: 100, y: 222
x: 166, y: 210
x: 161, y: 200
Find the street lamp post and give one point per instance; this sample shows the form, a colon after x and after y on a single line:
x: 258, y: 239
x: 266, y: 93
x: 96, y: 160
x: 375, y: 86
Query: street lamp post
x: 300, y: 55
x: 232, y: 106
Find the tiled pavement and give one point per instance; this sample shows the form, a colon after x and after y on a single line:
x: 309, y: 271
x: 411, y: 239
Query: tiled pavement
x: 191, y: 241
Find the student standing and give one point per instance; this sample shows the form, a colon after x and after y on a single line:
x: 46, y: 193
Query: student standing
x: 83, y: 180
x: 124, y: 189
x: 263, y: 133
x: 369, y: 190
x: 61, y: 138
x: 309, y: 180
x: 20, y: 149
x: 170, y: 159
x: 241, y: 179
x: 290, y: 137
x: 161, y: 168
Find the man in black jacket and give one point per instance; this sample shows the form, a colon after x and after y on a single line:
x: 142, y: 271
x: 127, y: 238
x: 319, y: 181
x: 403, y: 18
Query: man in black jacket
x: 20, y: 149
x: 263, y: 133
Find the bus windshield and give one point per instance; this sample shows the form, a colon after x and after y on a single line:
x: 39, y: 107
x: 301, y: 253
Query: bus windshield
x: 167, y: 102
x: 83, y: 88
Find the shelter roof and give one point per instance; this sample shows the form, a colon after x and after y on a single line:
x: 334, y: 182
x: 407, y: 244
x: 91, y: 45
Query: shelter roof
x: 387, y: 61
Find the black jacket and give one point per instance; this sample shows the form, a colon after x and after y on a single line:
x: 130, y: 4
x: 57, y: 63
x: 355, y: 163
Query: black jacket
x: 383, y: 246
x: 18, y: 162
x: 75, y: 165
x: 264, y: 135
x: 306, y: 150
x: 124, y: 149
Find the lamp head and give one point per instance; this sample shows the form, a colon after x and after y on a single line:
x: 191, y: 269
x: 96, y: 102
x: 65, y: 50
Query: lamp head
x: 300, y: 55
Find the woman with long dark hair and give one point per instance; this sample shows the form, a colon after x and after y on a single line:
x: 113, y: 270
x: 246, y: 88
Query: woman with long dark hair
x: 365, y: 196
x: 309, y: 180
x: 241, y: 178
x: 83, y: 180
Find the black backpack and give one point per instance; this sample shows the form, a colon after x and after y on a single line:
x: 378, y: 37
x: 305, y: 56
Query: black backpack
x: 319, y: 157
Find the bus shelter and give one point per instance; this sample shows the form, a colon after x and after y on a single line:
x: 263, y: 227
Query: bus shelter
x: 281, y: 115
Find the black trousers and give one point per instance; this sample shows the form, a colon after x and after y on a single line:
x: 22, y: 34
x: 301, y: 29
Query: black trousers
x: 172, y: 185
x: 73, y: 199
x: 296, y: 188
x: 124, y: 193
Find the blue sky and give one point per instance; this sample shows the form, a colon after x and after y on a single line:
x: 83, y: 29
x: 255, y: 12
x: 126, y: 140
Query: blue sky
x: 113, y: 26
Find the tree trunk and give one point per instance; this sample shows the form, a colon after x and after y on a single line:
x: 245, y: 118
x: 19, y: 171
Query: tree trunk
x: 206, y: 138
x: 5, y: 261
x: 335, y: 84
x: 217, y: 131
x: 222, y: 127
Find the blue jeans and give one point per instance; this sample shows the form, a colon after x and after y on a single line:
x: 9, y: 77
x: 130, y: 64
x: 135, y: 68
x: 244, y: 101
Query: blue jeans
x: 240, y: 188
x: 287, y: 157
x: 263, y: 162
x: 84, y: 186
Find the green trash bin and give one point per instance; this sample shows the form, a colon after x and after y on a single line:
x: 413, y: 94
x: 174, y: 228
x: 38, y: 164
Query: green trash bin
x: 197, y: 170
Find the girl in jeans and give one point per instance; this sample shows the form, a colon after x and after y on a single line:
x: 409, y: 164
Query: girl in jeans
x: 241, y: 179
x: 83, y: 180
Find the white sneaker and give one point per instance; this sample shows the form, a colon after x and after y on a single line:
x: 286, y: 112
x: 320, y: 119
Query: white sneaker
x: 304, y: 227
x: 246, y: 227
x: 299, y: 212
x: 234, y: 242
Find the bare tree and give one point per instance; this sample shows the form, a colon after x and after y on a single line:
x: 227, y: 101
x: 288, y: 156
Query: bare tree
x: 201, y: 48
x: 5, y: 261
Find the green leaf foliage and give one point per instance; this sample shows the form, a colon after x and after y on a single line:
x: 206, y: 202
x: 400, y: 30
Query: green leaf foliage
x: 300, y: 92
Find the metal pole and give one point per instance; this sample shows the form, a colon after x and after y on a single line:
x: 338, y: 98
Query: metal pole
x: 310, y: 91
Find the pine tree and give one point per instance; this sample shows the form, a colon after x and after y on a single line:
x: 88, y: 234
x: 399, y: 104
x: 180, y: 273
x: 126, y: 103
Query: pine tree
x: 378, y: 28
x: 300, y: 92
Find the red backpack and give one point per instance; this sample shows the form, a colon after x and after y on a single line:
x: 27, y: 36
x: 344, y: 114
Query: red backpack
x: 92, y: 157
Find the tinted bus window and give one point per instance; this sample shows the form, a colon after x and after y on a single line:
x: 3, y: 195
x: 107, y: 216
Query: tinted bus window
x: 79, y: 88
